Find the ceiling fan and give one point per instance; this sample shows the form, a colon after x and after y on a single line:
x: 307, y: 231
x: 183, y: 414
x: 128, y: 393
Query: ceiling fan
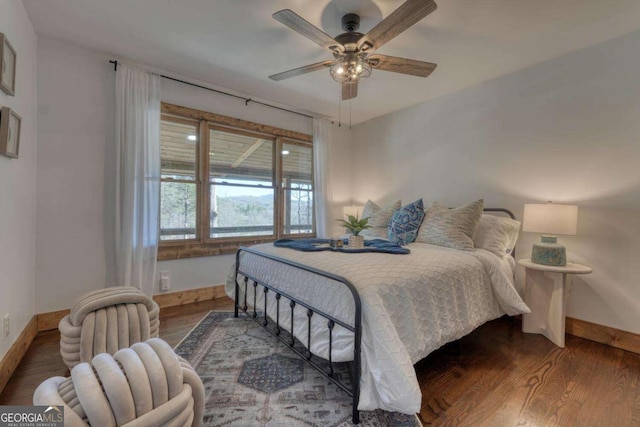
x: 352, y: 50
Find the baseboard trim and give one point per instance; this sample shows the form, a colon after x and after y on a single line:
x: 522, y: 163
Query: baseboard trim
x: 607, y: 335
x: 12, y: 358
x: 173, y: 299
x: 50, y: 320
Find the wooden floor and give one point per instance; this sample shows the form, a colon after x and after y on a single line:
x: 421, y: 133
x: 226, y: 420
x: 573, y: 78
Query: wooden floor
x: 496, y: 376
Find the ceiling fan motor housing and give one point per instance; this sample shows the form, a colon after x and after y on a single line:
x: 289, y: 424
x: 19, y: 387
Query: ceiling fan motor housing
x: 350, y: 22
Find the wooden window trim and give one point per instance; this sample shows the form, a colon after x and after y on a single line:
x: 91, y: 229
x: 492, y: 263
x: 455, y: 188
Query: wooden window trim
x: 203, y: 245
x: 185, y: 112
x: 197, y: 177
x: 283, y: 188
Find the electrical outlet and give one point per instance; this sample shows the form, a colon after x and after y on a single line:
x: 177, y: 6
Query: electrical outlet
x: 165, y: 281
x: 6, y: 325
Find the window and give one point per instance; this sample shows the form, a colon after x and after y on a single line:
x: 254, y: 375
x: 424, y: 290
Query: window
x: 178, y: 183
x: 227, y: 182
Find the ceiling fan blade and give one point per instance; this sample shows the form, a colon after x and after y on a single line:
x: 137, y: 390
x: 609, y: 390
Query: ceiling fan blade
x: 400, y: 19
x: 402, y: 65
x: 301, y: 70
x: 349, y: 90
x: 304, y: 27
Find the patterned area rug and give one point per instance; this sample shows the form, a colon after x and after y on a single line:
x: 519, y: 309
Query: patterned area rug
x: 252, y: 379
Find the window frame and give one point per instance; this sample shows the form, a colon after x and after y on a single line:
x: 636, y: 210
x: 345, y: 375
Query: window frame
x: 280, y: 141
x: 204, y: 244
x: 197, y: 177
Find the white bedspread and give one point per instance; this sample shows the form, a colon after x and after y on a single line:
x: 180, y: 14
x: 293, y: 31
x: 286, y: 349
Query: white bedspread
x: 411, y: 305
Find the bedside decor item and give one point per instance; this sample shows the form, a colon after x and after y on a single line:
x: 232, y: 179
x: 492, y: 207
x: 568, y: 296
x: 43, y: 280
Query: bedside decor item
x: 9, y: 132
x: 336, y: 243
x: 550, y: 219
x: 355, y: 225
x: 7, y: 66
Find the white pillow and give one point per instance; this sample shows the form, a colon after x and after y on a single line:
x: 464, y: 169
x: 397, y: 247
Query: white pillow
x: 378, y: 219
x: 497, y: 234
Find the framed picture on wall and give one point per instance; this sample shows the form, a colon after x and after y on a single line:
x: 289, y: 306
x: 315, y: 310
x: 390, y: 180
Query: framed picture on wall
x: 9, y: 132
x: 7, y: 66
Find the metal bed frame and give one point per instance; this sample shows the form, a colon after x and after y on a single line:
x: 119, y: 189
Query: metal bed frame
x: 288, y: 338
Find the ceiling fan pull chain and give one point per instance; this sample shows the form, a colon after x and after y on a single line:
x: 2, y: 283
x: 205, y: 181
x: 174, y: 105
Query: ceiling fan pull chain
x: 349, y: 114
x: 339, y: 111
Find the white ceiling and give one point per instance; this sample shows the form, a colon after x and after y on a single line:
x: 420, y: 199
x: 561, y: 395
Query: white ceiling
x: 236, y: 44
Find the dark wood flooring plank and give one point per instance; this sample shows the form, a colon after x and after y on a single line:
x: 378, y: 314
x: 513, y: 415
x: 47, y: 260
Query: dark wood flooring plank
x: 541, y: 384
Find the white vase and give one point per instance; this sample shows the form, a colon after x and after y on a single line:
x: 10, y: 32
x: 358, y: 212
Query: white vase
x: 356, y: 242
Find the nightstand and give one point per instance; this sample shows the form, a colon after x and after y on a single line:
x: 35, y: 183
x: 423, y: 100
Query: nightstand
x: 546, y: 292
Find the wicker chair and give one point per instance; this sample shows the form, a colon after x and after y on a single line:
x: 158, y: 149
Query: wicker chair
x: 142, y: 386
x: 105, y: 321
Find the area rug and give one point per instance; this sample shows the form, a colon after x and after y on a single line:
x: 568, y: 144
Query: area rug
x: 252, y: 379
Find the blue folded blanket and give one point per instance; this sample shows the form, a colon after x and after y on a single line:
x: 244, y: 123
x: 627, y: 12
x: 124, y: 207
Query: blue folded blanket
x: 315, y: 245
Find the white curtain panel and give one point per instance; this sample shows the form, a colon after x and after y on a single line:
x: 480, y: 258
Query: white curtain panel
x: 138, y: 177
x: 322, y: 141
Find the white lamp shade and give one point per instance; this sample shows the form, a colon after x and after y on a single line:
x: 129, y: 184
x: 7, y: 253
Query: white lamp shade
x: 550, y: 218
x: 352, y: 210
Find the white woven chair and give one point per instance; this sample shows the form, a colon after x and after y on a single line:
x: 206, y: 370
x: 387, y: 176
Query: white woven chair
x: 105, y: 321
x: 146, y: 385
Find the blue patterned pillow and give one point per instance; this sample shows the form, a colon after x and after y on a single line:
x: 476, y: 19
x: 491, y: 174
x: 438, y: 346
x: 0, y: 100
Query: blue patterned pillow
x: 405, y: 222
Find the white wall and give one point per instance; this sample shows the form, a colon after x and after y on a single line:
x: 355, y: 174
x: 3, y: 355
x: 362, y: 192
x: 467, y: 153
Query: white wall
x: 566, y: 130
x: 18, y: 180
x: 75, y: 124
x: 75, y: 185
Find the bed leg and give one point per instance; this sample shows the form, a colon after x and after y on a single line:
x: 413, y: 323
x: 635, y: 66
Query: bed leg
x: 356, y: 416
x: 235, y: 308
x: 237, y: 293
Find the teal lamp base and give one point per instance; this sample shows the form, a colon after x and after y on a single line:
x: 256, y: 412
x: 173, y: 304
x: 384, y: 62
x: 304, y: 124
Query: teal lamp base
x: 549, y: 252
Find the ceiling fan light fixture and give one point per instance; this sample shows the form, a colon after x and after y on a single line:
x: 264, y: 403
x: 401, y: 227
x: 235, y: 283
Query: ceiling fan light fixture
x: 350, y: 68
x: 351, y: 49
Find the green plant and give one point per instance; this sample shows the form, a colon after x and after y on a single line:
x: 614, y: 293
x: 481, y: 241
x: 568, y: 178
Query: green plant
x: 355, y: 225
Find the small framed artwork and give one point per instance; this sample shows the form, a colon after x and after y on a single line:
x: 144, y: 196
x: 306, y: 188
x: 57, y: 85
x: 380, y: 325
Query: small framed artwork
x: 9, y: 132
x: 7, y: 66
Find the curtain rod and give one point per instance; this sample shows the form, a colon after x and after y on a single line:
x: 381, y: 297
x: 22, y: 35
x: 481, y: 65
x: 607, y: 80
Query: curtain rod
x: 246, y: 100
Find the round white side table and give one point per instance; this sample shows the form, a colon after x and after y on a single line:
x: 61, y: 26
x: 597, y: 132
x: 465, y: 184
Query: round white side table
x: 547, y: 289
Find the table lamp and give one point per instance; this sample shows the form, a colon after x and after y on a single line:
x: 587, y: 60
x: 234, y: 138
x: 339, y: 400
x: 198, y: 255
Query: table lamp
x: 550, y: 219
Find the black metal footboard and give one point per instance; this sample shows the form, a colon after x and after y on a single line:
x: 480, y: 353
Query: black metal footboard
x: 305, y: 354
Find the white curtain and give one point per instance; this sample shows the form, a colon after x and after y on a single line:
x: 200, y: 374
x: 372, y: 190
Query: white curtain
x: 322, y: 138
x: 137, y: 177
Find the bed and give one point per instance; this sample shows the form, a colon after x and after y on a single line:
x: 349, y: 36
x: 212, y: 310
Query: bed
x: 382, y: 313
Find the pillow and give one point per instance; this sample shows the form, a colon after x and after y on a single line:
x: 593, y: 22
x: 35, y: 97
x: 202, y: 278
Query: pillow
x: 405, y: 223
x: 378, y: 218
x: 451, y: 228
x: 497, y: 234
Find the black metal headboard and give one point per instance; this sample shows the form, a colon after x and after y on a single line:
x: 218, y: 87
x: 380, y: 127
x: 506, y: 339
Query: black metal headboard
x: 503, y: 210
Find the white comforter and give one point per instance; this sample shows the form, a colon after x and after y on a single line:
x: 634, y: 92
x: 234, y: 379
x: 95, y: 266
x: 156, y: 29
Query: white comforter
x: 411, y: 305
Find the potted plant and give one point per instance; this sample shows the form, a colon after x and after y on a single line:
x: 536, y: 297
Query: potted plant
x: 355, y: 225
